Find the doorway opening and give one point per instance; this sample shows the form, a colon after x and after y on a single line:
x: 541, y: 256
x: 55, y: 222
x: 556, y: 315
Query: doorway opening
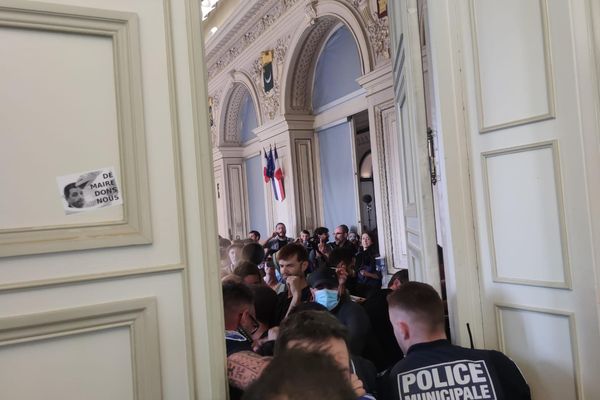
x: 364, y: 173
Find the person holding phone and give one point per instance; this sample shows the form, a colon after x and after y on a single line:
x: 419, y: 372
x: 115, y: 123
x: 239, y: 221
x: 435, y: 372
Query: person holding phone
x: 277, y: 240
x: 320, y: 248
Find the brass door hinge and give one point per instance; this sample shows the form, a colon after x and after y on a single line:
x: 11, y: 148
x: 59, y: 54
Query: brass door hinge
x: 431, y: 151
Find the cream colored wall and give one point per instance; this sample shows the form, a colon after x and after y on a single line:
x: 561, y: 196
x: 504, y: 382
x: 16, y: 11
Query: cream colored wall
x: 127, y: 320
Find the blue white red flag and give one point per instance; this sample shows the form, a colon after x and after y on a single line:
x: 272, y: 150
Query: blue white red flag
x: 271, y: 171
x: 265, y: 168
x: 278, y: 175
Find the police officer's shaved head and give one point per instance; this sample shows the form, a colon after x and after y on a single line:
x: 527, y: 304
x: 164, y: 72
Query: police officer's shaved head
x: 421, y: 302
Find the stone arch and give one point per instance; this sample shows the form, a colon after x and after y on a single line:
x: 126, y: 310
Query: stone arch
x: 306, y: 46
x: 240, y: 85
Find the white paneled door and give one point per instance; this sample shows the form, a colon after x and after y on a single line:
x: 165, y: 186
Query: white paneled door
x: 516, y: 94
x: 119, y: 302
x: 525, y: 64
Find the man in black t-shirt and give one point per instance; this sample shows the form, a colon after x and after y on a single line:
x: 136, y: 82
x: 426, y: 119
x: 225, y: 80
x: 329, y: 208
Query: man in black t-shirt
x: 340, y: 237
x: 277, y: 240
x: 433, y: 367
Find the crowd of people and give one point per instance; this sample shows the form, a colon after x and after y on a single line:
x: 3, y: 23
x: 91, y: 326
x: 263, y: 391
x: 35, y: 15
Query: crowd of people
x: 308, y: 318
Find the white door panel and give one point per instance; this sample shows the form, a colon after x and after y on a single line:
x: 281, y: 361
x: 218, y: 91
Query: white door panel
x: 532, y: 216
x: 82, y: 348
x: 111, y: 316
x: 518, y: 129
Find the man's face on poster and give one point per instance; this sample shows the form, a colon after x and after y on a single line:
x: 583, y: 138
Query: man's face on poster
x: 75, y: 198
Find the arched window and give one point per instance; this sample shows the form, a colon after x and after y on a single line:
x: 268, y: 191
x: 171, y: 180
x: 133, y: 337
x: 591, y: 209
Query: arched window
x: 248, y: 120
x: 337, y: 69
x: 365, y: 169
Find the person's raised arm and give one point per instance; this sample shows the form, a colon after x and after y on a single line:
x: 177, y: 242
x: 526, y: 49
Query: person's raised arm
x: 295, y: 285
x: 268, y: 240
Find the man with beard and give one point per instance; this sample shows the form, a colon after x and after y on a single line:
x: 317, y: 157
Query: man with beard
x: 74, y: 196
x: 340, y: 237
x: 293, y: 262
x: 277, y: 240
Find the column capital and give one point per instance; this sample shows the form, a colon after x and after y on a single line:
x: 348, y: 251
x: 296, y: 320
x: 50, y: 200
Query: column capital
x: 226, y: 152
x: 379, y: 80
x: 284, y: 124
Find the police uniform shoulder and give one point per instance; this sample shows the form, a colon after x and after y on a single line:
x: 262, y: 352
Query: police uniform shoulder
x: 501, y: 359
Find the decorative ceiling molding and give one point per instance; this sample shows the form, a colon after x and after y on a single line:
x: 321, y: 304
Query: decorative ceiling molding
x: 274, y: 25
x: 238, y: 23
x: 243, y: 30
x: 237, y: 38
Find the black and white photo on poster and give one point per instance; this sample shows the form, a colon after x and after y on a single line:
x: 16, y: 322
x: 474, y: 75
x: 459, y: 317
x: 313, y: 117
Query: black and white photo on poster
x: 455, y: 380
x: 90, y: 190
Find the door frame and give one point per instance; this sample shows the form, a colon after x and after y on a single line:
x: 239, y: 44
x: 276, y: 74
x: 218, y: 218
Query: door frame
x: 459, y: 230
x: 458, y: 224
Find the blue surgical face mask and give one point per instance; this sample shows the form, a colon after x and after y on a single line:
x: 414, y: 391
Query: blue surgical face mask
x: 327, y: 298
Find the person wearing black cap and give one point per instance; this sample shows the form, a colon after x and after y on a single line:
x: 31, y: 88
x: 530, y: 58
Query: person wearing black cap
x: 324, y: 287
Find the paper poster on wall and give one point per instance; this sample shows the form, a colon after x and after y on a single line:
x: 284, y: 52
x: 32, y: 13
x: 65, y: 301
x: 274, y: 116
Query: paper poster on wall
x: 90, y: 190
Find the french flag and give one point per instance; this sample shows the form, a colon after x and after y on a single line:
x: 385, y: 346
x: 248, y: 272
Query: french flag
x: 278, y: 188
x: 271, y: 172
x: 265, y: 167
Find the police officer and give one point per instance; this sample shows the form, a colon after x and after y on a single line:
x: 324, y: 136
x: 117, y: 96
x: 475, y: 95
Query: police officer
x: 433, y: 367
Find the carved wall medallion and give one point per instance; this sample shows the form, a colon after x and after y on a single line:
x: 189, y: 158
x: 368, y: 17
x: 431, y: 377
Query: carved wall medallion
x: 252, y: 30
x: 214, y: 128
x: 257, y: 72
x: 310, y: 11
x: 271, y: 102
x: 281, y: 48
x: 379, y: 36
